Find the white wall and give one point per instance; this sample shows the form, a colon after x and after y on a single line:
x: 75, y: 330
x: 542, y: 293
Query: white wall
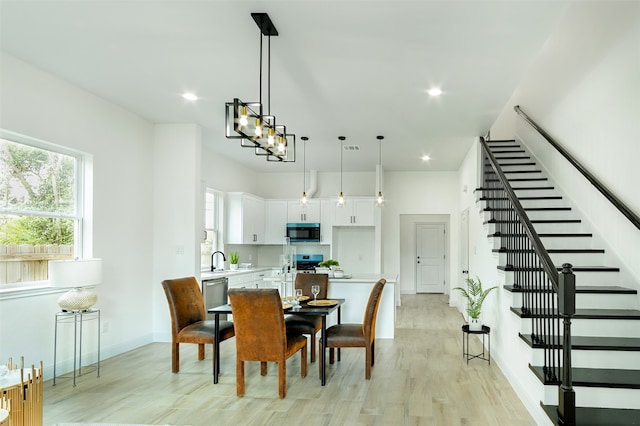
x: 40, y: 105
x: 584, y: 90
x: 418, y: 193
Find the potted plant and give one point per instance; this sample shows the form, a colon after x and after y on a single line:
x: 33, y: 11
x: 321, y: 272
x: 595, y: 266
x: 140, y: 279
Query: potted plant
x: 327, y: 266
x: 234, y: 257
x: 475, y: 296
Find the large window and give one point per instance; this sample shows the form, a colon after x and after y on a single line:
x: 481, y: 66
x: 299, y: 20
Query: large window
x: 40, y: 208
x: 213, y: 219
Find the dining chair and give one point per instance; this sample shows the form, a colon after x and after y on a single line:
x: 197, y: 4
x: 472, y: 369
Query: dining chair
x: 358, y: 335
x: 308, y: 324
x: 188, y: 319
x: 261, y: 334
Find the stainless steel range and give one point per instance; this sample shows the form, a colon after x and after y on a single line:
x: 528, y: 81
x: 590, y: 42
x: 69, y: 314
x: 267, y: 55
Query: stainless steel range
x: 307, y: 262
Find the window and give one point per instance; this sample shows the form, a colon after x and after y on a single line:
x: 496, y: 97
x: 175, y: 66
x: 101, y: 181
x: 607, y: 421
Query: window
x: 213, y: 219
x: 40, y: 208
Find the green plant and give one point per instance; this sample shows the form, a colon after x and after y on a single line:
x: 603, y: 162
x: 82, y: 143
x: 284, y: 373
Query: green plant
x: 234, y: 257
x: 328, y: 263
x: 475, y: 296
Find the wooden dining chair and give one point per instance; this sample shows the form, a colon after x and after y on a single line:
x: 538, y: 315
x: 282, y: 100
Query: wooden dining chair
x: 304, y: 324
x: 261, y: 335
x: 358, y: 335
x: 188, y: 319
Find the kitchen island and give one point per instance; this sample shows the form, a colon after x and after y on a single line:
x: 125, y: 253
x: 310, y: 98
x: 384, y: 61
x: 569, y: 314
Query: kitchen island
x: 356, y: 291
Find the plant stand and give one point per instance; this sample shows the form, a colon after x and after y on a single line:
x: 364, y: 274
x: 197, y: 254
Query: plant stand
x: 486, y: 331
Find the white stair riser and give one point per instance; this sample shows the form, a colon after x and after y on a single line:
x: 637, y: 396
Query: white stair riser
x: 584, y: 278
x: 573, y: 258
x: 556, y: 242
x: 535, y: 192
x: 597, y: 397
x: 625, y: 360
x: 529, y: 203
x: 547, y: 228
x: 595, y: 301
x: 595, y: 327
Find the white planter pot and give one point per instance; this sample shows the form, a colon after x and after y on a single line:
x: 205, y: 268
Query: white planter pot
x: 233, y: 266
x: 475, y: 324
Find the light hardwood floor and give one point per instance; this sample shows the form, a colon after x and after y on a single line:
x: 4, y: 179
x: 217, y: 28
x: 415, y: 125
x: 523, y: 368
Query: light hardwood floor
x: 419, y: 378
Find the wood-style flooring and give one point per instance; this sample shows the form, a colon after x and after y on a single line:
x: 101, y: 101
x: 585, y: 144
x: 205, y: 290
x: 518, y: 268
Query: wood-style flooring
x: 419, y: 378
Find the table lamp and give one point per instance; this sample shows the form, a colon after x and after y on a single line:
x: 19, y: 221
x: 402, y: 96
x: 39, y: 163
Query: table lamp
x: 76, y: 274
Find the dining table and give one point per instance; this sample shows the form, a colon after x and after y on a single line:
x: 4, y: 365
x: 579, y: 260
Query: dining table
x: 304, y: 308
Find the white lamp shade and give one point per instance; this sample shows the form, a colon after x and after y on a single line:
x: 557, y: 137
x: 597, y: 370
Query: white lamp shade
x: 75, y: 273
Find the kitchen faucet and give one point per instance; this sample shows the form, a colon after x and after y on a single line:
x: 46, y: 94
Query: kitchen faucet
x: 224, y: 259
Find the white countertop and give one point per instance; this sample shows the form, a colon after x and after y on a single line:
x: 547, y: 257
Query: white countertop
x: 365, y: 278
x: 207, y: 275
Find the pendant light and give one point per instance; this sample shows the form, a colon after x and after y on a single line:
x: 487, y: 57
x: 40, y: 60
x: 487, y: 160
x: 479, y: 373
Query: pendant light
x: 379, y: 197
x: 341, y: 196
x: 303, y: 200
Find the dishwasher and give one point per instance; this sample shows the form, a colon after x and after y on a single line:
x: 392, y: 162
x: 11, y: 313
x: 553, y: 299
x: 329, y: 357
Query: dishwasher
x: 214, y: 292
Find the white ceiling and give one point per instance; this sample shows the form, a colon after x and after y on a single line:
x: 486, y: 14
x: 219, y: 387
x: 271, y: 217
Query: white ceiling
x: 353, y: 68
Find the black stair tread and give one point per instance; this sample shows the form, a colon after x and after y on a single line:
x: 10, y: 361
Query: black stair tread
x: 535, y: 188
x: 548, y: 197
x: 507, y: 151
x: 590, y: 343
x: 600, y: 377
x: 501, y: 209
x: 535, y: 221
x: 559, y: 268
x: 538, y: 179
x: 528, y: 163
x: 500, y: 141
x: 515, y: 172
x: 511, y: 157
x: 549, y: 250
x: 546, y: 235
x: 590, y: 416
x: 617, y: 314
x: 583, y: 289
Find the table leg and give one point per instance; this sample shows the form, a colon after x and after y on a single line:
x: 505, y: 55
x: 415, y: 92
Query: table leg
x: 55, y: 349
x: 216, y: 349
x: 339, y: 311
x: 75, y: 345
x: 323, y: 350
x: 99, y: 330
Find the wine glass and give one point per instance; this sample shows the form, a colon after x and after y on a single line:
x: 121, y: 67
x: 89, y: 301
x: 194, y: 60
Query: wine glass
x: 298, y: 295
x: 315, y: 289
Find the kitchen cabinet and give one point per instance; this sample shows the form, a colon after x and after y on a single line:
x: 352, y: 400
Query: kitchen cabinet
x: 296, y: 213
x: 327, y: 219
x: 355, y: 212
x: 245, y: 219
x: 276, y: 221
x: 249, y: 280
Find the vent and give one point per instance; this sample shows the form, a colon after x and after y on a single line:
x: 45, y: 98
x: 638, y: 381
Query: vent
x: 352, y: 147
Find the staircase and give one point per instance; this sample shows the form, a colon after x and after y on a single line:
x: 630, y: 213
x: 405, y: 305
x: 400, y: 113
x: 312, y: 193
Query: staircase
x: 605, y: 330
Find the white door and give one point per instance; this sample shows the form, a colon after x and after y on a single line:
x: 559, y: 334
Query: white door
x: 430, y: 258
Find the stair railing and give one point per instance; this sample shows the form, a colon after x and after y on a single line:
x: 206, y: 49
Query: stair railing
x: 609, y: 195
x: 547, y: 296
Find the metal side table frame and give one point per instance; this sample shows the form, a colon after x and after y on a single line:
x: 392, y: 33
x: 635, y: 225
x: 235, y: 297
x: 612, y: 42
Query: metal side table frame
x: 78, y: 318
x: 486, y: 331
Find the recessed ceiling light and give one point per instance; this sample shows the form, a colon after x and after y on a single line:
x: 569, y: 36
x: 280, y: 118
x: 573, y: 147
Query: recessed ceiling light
x: 190, y: 96
x: 435, y: 92
x: 426, y: 158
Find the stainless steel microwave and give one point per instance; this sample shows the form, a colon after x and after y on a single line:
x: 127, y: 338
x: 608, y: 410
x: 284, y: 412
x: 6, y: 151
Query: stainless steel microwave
x: 303, y: 232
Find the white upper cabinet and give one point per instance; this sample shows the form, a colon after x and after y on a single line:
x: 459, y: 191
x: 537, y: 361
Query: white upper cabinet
x: 276, y: 221
x: 355, y: 212
x: 296, y: 213
x: 245, y: 219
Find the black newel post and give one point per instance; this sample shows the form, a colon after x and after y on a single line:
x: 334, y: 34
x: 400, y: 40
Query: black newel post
x: 567, y: 307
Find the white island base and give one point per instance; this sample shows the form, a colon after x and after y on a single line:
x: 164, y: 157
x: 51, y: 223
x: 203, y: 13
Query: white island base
x: 355, y: 291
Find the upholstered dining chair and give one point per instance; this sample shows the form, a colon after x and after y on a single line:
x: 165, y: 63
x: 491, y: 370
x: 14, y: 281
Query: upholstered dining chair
x: 261, y: 334
x: 188, y: 319
x: 308, y: 324
x: 358, y: 335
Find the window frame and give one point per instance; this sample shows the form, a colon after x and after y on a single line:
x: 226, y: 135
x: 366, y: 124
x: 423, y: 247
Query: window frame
x: 82, y: 234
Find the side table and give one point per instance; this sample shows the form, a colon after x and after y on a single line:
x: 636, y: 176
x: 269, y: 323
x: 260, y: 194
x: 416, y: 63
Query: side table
x: 78, y: 318
x: 486, y: 331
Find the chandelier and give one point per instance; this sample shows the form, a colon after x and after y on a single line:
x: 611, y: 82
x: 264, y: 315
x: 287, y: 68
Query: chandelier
x: 248, y: 121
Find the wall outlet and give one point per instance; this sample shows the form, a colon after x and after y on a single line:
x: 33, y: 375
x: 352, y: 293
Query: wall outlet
x: 180, y: 249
